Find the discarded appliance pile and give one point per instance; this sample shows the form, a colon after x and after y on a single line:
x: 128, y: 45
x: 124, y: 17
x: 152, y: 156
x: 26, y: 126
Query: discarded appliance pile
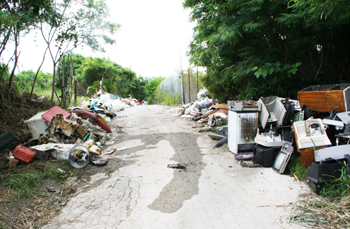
x: 77, y: 136
x: 268, y: 132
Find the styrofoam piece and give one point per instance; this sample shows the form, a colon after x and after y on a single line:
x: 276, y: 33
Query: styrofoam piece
x: 54, y: 111
x: 334, y: 152
x: 37, y: 125
x: 308, y: 137
x: 272, y: 110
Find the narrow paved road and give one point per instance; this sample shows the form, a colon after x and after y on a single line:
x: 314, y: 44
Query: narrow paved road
x: 213, y: 192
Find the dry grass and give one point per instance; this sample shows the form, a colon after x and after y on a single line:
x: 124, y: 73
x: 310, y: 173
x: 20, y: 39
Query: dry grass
x: 320, y: 212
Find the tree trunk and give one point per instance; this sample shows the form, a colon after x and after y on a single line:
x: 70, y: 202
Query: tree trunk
x: 16, y: 58
x: 36, y: 75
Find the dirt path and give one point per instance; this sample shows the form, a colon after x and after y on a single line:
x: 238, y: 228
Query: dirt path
x: 214, y: 191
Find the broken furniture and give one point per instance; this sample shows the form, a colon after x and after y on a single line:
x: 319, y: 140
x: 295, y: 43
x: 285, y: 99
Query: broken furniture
x: 310, y: 134
x: 242, y: 125
x: 282, y: 158
x: 325, y: 98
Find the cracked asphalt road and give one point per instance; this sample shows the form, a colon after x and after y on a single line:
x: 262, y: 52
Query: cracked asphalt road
x: 143, y: 192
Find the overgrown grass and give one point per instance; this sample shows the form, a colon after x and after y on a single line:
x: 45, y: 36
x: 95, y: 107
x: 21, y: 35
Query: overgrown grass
x: 297, y: 169
x: 25, y: 201
x: 25, y: 183
x: 168, y: 99
x: 338, y: 188
x: 329, y: 210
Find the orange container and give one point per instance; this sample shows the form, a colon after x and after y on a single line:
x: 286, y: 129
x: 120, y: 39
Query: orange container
x: 24, y: 154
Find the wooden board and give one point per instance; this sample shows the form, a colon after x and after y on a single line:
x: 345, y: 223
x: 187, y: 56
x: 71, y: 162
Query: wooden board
x: 221, y: 106
x: 323, y: 101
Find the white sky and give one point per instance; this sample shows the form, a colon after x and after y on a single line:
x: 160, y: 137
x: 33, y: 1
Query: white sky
x: 152, y: 35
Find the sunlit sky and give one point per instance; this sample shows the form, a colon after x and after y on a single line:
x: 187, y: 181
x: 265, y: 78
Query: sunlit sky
x: 152, y: 36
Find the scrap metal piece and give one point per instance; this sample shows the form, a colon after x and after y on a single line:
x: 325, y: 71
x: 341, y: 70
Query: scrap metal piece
x: 79, y: 157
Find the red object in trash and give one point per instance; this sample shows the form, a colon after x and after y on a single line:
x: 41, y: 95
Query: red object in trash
x: 24, y: 154
x: 92, y: 116
x: 54, y: 111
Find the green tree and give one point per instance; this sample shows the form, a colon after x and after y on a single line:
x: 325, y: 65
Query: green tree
x: 116, y: 79
x: 18, y: 17
x: 151, y: 87
x: 258, y: 48
x: 138, y: 88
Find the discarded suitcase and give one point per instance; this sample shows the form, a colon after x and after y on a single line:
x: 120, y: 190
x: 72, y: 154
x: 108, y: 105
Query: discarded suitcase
x: 24, y: 154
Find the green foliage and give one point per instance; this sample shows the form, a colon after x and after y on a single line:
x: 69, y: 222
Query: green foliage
x: 338, y: 188
x: 166, y: 99
x: 25, y: 79
x: 260, y: 48
x: 24, y: 183
x: 116, y: 79
x: 297, y: 169
x: 138, y: 88
x: 151, y: 88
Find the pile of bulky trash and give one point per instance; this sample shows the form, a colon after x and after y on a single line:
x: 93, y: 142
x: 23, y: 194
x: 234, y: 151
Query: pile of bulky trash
x: 77, y: 136
x: 208, y: 115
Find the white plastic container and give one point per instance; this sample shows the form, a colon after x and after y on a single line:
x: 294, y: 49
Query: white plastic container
x: 37, y: 125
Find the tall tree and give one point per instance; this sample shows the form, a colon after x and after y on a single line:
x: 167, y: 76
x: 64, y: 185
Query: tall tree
x: 74, y: 23
x: 116, y: 79
x: 16, y: 17
x: 254, y: 48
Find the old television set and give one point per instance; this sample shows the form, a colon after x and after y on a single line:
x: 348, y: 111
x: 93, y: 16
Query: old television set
x: 282, y: 159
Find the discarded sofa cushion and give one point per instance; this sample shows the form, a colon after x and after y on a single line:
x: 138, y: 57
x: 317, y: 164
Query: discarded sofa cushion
x: 96, y: 120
